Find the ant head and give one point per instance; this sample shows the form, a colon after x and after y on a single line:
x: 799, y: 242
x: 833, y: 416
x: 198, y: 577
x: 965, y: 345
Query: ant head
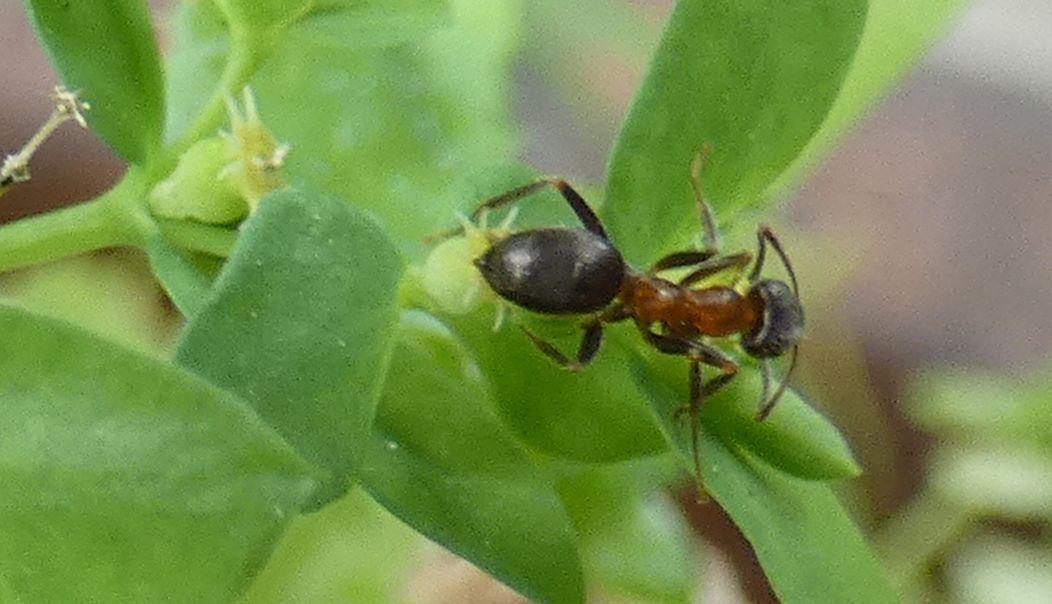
x: 782, y: 320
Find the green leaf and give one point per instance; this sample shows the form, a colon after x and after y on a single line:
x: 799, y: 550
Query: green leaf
x: 999, y: 567
x: 794, y: 438
x: 752, y: 78
x: 394, y: 129
x: 339, y: 546
x: 896, y: 34
x: 595, y: 415
x: 974, y: 406
x: 352, y: 24
x: 634, y: 543
x: 262, y: 18
x: 185, y: 284
x: 114, y: 297
x: 106, y: 52
x: 913, y: 540
x: 806, y: 542
x: 443, y: 463
x: 201, y: 46
x: 1015, y: 484
x: 300, y: 324
x: 644, y: 554
x: 126, y: 479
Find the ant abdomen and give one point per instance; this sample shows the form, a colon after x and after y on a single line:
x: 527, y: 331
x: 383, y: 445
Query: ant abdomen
x: 554, y: 270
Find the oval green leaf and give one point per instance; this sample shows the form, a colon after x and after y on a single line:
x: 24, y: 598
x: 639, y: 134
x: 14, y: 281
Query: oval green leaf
x: 300, y: 324
x: 752, y: 78
x: 397, y: 128
x: 794, y: 438
x: 974, y: 406
x: 443, y: 463
x: 805, y: 540
x: 264, y: 18
x: 106, y: 52
x: 594, y: 415
x: 350, y: 24
x: 339, y: 544
x: 634, y: 543
x: 127, y: 479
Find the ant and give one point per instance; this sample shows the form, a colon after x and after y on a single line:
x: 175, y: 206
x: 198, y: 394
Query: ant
x: 561, y: 270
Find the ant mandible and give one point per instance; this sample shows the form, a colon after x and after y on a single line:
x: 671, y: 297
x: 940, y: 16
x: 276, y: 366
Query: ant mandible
x: 561, y: 270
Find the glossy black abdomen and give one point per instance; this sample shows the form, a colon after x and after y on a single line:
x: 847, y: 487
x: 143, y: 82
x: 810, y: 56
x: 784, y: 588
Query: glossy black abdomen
x: 554, y: 270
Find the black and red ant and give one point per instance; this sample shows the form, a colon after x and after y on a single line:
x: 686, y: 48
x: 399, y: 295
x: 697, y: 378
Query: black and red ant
x: 560, y: 270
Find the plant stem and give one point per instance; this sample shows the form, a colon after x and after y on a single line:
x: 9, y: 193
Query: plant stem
x: 72, y: 230
x: 15, y: 168
x: 197, y: 237
x: 115, y: 218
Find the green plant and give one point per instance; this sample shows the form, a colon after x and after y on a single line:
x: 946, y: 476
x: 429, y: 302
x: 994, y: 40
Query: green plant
x: 314, y: 366
x: 992, y: 464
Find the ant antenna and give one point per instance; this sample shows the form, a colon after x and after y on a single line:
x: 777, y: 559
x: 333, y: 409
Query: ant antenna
x: 768, y: 406
x: 766, y: 235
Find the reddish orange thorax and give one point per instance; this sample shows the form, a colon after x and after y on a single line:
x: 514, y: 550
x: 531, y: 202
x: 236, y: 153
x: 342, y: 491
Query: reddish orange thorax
x: 712, y: 311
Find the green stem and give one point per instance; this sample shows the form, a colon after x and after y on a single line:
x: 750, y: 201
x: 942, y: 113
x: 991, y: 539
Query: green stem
x: 85, y: 227
x: 197, y: 237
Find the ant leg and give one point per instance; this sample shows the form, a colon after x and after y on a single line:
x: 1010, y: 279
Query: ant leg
x: 693, y: 409
x: 698, y: 353
x: 692, y: 349
x: 615, y: 313
x: 577, y: 203
x: 681, y: 259
x: 708, y: 220
x: 764, y: 236
x: 698, y: 393
x: 711, y: 233
x: 716, y: 265
x: 591, y: 340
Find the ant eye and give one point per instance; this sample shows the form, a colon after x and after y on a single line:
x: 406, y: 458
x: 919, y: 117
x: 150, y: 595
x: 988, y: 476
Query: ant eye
x: 782, y: 324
